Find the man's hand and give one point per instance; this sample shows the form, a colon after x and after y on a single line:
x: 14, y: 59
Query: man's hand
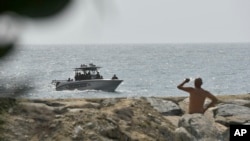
x: 187, y: 80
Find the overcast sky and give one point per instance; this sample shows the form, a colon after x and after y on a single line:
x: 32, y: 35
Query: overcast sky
x: 143, y: 21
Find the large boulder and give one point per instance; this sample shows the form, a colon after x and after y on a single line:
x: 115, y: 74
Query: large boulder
x: 198, y: 127
x: 226, y: 110
x: 165, y: 107
x: 181, y: 134
x: 240, y: 102
x: 227, y: 114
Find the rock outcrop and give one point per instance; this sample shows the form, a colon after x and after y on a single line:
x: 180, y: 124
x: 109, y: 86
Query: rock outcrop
x: 123, y: 119
x: 197, y: 127
x: 227, y: 114
x: 165, y: 107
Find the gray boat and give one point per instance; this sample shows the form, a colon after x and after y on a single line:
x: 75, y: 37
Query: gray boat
x: 87, y: 77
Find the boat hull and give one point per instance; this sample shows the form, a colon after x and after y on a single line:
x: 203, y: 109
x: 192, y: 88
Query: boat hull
x: 94, y: 84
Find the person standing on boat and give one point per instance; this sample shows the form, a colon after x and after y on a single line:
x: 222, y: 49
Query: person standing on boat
x: 98, y: 76
x: 114, y: 77
x: 197, y: 96
x: 89, y: 75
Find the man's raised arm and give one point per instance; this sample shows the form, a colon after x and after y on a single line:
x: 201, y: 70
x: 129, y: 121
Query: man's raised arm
x: 181, y: 86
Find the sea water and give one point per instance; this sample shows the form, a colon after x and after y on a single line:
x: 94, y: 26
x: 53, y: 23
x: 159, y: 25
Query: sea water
x: 147, y: 69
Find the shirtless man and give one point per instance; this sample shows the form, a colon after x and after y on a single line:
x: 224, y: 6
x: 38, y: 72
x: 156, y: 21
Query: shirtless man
x: 197, y: 96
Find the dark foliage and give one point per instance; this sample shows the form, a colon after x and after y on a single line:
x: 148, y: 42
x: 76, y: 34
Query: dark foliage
x: 5, y: 49
x: 33, y: 8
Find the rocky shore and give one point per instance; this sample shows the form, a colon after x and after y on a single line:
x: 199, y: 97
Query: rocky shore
x: 121, y: 119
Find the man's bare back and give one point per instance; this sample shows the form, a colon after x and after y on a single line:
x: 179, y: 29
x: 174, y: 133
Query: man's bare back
x: 197, y: 96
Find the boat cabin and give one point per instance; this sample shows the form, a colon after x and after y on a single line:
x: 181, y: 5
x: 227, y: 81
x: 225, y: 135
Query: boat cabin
x: 87, y: 72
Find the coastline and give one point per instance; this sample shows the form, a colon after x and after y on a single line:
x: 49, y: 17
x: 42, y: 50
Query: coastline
x: 144, y: 118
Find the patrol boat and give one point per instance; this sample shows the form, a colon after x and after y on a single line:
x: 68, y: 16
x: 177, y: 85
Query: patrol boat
x: 87, y: 77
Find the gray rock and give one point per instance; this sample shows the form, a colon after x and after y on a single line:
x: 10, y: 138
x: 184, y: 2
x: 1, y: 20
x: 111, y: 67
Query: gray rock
x: 240, y: 119
x: 112, y: 131
x: 77, y: 133
x: 199, y: 127
x: 226, y: 110
x: 90, y: 125
x: 181, y: 134
x: 92, y: 105
x: 184, y: 104
x: 227, y: 114
x: 125, y: 113
x: 240, y: 102
x: 164, y: 106
x: 109, y: 101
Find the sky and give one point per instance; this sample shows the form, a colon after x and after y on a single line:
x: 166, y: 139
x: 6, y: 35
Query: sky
x: 142, y: 21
